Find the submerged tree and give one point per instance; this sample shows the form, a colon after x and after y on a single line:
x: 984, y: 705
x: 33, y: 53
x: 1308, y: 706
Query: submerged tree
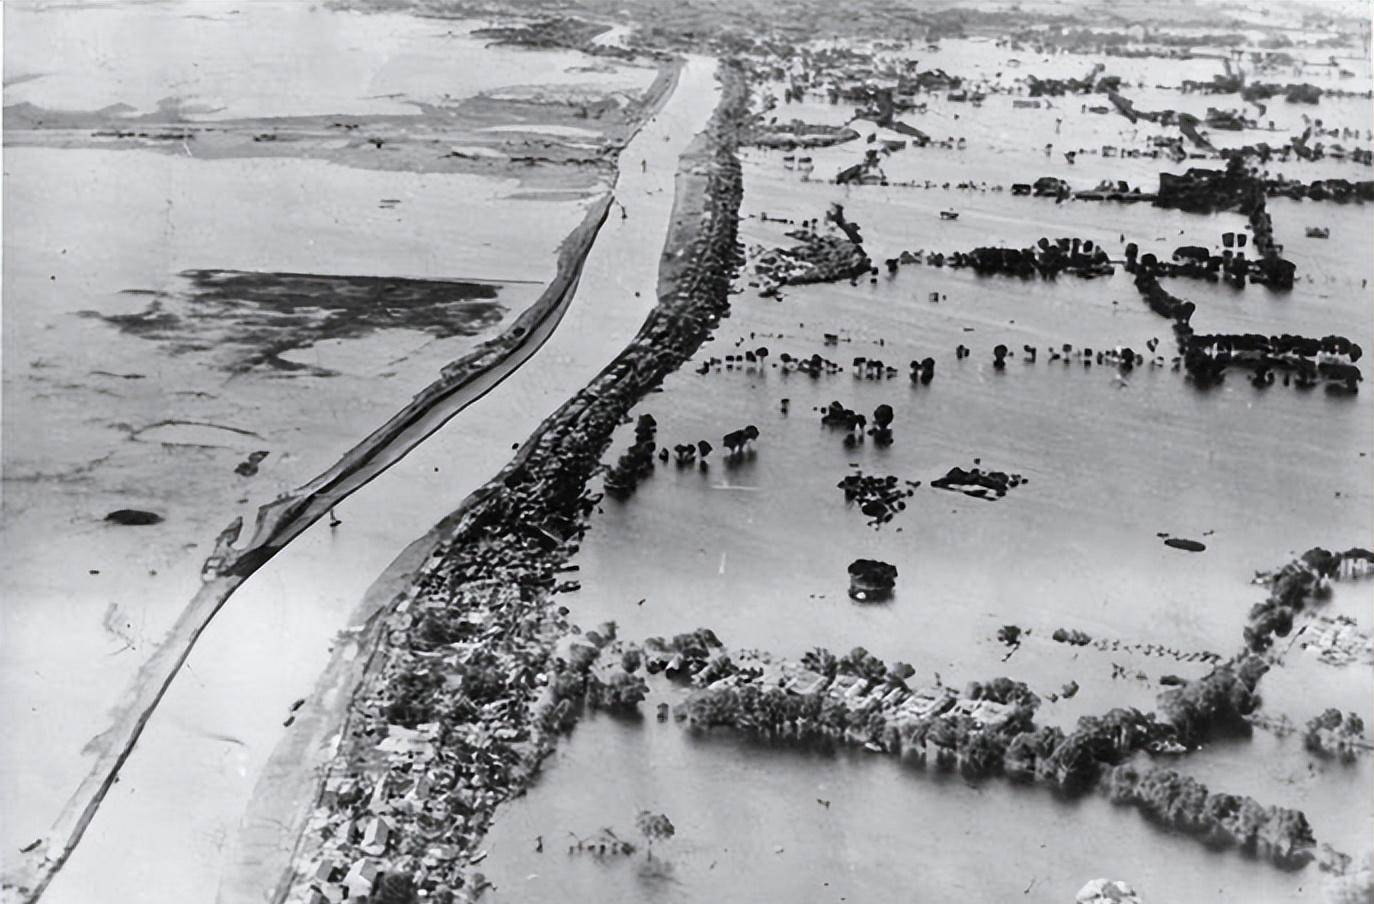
x: 654, y: 827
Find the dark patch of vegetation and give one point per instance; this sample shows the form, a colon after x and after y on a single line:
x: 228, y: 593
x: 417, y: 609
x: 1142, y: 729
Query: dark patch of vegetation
x: 1182, y: 802
x: 261, y: 316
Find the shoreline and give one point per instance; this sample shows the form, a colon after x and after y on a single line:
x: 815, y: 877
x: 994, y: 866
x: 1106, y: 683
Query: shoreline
x: 501, y: 525
x: 505, y: 572
x: 289, y: 786
x: 461, y: 383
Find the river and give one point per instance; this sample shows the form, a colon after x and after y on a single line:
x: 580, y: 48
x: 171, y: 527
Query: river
x: 128, y: 386
x: 757, y: 552
x: 185, y: 790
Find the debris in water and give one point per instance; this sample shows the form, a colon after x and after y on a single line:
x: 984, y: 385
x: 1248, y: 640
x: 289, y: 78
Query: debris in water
x: 133, y: 517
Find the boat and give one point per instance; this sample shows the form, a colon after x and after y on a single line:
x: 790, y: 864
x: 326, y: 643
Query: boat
x: 949, y: 214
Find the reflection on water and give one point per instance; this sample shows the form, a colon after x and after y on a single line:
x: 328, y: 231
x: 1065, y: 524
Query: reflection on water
x: 756, y: 822
x: 758, y: 550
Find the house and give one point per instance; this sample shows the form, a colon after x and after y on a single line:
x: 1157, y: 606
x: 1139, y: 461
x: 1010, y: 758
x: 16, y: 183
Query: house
x: 984, y: 713
x: 401, y: 740
x: 893, y: 696
x: 847, y: 687
x: 361, y: 876
x: 376, y: 833
x: 326, y: 872
x: 805, y: 681
x: 925, y: 703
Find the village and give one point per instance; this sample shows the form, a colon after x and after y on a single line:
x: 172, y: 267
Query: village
x: 1001, y: 348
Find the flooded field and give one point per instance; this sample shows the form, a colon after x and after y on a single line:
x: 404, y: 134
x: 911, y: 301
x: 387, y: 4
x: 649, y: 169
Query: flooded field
x: 1018, y: 353
x: 826, y: 826
x: 756, y: 547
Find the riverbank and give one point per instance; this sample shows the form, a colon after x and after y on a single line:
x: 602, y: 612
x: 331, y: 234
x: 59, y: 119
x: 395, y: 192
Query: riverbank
x: 217, y: 728
x: 483, y: 624
x: 448, y: 686
x: 283, y: 520
x: 461, y: 383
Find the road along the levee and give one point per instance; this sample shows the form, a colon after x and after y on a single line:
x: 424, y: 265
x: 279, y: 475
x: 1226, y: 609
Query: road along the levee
x: 163, y: 829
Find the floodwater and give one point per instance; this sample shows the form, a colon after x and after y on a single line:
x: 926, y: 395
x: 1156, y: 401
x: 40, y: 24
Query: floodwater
x: 1000, y: 156
x: 120, y: 411
x: 187, y: 789
x: 761, y: 823
x: 127, y: 385
x: 231, y: 59
x: 757, y: 550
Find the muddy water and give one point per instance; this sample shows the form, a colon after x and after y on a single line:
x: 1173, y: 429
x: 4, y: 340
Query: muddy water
x: 123, y: 416
x: 221, y: 719
x: 232, y: 59
x: 126, y: 387
x: 756, y: 823
x: 758, y: 552
x: 115, y: 406
x: 1006, y: 145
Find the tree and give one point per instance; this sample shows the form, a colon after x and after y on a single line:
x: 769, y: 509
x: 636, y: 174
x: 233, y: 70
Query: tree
x: 821, y: 660
x: 942, y: 732
x: 654, y: 827
x: 393, y: 888
x: 1219, y: 701
x: 1287, y: 836
x: 898, y: 674
x: 1247, y: 823
x: 620, y: 691
x: 1047, y: 739
x: 720, y: 706
x: 1019, y: 758
x: 413, y: 700
x: 1072, y: 764
x: 1327, y: 721
x: 1186, y: 809
x: 833, y: 717
x: 773, y: 708
x: 1220, y: 808
x: 982, y: 753
x: 864, y: 664
x: 751, y: 717
x: 1123, y: 784
x: 874, y: 725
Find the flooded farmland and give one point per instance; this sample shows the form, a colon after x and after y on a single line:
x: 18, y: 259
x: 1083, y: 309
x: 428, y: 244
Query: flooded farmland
x: 686, y: 456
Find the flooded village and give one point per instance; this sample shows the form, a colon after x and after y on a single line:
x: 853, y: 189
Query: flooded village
x: 550, y: 451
